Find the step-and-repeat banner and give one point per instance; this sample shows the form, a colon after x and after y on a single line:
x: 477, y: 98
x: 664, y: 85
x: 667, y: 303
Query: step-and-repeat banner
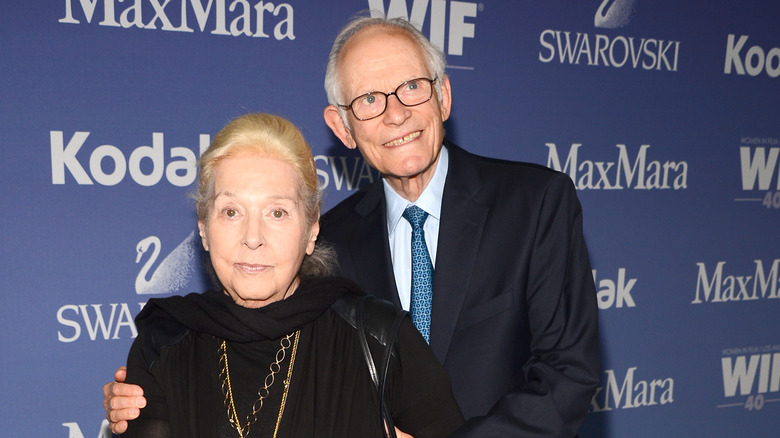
x: 665, y: 114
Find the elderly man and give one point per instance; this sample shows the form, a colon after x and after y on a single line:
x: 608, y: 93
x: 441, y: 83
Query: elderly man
x: 487, y: 255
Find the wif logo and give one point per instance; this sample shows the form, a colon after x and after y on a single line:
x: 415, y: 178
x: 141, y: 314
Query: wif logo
x: 239, y: 19
x: 459, y: 29
x: 753, y: 376
x: 760, y: 167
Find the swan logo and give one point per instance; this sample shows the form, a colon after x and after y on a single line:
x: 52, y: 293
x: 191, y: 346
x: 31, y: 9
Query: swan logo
x: 115, y: 320
x: 614, y: 14
x: 172, y: 273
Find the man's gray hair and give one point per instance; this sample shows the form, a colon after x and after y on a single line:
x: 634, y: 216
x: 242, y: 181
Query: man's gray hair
x: 434, y: 57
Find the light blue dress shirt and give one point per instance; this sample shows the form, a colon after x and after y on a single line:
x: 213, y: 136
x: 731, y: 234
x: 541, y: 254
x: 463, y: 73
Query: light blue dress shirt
x: 399, y: 231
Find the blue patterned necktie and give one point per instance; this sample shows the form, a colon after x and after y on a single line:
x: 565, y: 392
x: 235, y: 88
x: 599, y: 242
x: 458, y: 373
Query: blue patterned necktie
x: 422, y: 273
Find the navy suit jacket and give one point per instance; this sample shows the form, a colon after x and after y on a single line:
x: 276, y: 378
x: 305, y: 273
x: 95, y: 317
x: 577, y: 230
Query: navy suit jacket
x: 514, y: 313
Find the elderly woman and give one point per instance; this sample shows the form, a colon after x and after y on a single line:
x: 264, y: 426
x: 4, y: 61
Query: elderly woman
x: 270, y: 353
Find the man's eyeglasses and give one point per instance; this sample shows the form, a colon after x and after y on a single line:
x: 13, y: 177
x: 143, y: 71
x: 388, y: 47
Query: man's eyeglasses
x: 373, y: 104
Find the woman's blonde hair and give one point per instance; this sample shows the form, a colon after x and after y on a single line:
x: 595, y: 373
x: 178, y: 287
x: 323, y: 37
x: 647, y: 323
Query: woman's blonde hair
x: 274, y: 137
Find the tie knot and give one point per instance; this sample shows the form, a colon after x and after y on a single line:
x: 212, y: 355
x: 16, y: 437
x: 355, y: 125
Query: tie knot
x: 416, y: 216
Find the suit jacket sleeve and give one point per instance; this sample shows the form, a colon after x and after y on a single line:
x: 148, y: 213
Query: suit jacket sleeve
x: 564, y: 366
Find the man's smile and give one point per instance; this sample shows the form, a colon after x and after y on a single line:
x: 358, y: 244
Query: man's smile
x: 403, y: 140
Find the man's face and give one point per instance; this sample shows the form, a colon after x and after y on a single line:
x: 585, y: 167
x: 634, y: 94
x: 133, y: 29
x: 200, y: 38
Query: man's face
x: 404, y: 142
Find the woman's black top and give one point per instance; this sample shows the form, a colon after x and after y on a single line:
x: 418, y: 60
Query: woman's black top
x: 175, y: 359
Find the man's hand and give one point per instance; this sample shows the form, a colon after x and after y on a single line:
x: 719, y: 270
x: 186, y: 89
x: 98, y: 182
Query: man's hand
x: 122, y: 401
x: 400, y: 434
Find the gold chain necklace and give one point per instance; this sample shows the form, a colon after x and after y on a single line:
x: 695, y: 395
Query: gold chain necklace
x: 274, y: 368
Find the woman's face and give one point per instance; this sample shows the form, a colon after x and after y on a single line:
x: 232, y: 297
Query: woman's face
x: 256, y: 231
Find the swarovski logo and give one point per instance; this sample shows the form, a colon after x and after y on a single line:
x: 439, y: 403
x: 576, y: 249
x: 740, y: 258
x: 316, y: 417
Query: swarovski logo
x: 115, y: 320
x: 172, y: 273
x: 344, y: 173
x: 609, y: 50
x: 613, y: 14
x: 603, y: 50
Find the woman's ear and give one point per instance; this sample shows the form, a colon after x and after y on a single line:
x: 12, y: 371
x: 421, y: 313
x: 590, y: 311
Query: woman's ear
x: 202, y: 228
x: 313, y: 233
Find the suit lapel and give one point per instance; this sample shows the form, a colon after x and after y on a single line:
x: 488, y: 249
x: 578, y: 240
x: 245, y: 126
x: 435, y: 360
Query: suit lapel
x: 375, y: 272
x: 463, y: 217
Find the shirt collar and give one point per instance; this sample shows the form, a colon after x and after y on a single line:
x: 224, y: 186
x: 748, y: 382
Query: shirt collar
x: 429, y: 200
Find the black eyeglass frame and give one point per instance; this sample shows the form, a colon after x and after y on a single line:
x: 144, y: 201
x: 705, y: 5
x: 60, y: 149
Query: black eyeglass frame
x: 387, y: 96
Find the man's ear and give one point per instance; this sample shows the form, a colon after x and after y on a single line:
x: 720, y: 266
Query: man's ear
x: 446, y: 98
x: 336, y: 124
x: 202, y: 232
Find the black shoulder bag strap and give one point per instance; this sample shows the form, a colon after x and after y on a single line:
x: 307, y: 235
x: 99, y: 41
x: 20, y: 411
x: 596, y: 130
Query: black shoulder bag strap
x: 381, y: 320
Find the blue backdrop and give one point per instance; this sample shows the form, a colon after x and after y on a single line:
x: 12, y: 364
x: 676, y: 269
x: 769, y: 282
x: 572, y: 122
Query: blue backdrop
x: 664, y: 113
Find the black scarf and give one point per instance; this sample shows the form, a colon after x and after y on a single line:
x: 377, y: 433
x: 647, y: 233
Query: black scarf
x: 215, y: 312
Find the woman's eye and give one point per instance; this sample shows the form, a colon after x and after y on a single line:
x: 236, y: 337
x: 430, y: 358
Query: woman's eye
x: 278, y: 214
x: 230, y: 212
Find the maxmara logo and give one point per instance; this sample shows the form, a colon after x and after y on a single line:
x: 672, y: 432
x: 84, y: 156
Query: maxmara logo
x: 155, y: 276
x: 628, y: 170
x: 458, y: 29
x: 631, y: 391
x: 751, y: 376
x: 719, y: 284
x: 760, y: 167
x: 238, y: 18
x: 741, y: 58
x: 609, y: 50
